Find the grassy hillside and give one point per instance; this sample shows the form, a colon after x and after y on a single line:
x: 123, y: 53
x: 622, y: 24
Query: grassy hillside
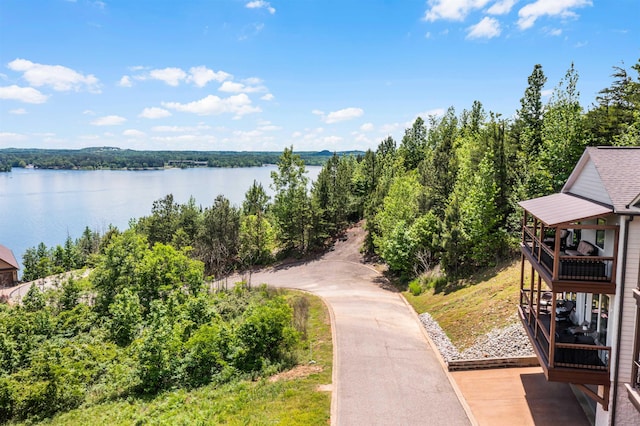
x: 290, y: 398
x: 472, y: 307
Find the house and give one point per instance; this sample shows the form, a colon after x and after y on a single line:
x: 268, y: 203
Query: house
x: 580, y: 282
x: 8, y: 267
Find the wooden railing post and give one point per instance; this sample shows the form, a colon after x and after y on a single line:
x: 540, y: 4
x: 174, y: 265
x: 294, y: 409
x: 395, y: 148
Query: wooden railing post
x: 556, y: 256
x: 552, y: 331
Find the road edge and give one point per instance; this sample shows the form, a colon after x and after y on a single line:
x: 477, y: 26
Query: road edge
x: 443, y: 364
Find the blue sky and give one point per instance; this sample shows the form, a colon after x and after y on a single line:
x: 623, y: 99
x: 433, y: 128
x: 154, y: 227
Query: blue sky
x: 258, y: 75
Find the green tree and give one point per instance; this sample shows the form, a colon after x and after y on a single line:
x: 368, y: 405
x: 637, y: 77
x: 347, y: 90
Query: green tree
x: 118, y: 268
x: 562, y: 133
x: 413, y: 144
x: 615, y: 120
x: 126, y: 317
x: 439, y: 171
x: 87, y: 245
x: 257, y: 236
x: 291, y: 206
x: 34, y: 299
x: 331, y: 198
x: 257, y: 240
x: 189, y: 224
x: 161, y: 226
x: 164, y: 271
x: 256, y: 200
x: 531, y: 114
x: 219, y: 242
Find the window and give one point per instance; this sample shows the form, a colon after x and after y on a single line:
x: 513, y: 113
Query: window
x: 600, y: 234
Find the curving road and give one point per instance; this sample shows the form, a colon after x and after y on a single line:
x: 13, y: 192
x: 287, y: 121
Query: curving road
x: 385, y: 371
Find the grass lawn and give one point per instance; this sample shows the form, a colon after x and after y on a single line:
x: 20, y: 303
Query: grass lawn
x: 291, y: 398
x: 472, y: 307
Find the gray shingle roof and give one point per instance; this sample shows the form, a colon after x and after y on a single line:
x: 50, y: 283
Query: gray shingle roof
x: 619, y: 170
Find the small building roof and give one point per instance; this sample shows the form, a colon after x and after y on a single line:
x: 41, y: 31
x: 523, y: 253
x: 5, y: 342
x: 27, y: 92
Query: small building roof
x: 7, y: 256
x: 619, y: 172
x: 556, y: 209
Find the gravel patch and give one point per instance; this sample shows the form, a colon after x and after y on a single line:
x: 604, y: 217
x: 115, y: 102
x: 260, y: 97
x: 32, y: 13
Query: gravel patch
x: 507, y: 342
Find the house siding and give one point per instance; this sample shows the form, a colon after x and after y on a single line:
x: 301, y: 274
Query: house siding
x: 589, y: 185
x: 629, y: 313
x: 626, y: 413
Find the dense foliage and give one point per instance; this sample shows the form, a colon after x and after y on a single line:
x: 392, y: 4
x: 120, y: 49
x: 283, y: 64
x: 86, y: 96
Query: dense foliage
x: 142, y: 322
x: 115, y: 158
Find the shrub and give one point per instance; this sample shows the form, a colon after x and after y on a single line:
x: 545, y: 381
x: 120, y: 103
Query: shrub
x: 265, y: 335
x: 207, y: 353
x: 415, y: 288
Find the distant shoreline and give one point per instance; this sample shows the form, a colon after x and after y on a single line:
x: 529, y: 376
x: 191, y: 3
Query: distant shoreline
x: 108, y: 158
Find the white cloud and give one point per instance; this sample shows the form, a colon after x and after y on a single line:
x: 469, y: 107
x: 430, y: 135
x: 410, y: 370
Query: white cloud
x: 261, y: 4
x: 501, y: 7
x: 268, y: 127
x: 563, y: 8
x: 180, y: 138
x: 56, y: 76
x: 27, y: 95
x: 125, y: 81
x: 154, y: 112
x: 88, y: 112
x: 340, y: 115
x: 454, y: 10
x: 486, y: 28
x: 179, y: 129
x: 554, y: 32
x: 366, y: 127
x: 89, y: 137
x: 546, y: 93
x: 267, y: 97
x: 18, y: 111
x: 109, y: 120
x: 389, y: 128
x: 201, y: 75
x: 213, y: 105
x: 171, y: 76
x: 11, y: 137
x: 134, y: 133
x: 233, y: 87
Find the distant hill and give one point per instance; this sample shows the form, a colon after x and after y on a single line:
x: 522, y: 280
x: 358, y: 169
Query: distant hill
x: 117, y: 158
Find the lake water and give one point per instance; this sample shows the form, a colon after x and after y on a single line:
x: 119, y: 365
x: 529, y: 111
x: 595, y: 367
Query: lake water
x: 47, y: 205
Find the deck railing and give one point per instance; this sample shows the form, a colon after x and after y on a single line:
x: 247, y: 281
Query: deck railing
x: 562, y: 354
x: 569, y: 268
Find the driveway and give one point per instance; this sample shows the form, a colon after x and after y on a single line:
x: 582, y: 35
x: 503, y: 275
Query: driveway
x: 385, y: 371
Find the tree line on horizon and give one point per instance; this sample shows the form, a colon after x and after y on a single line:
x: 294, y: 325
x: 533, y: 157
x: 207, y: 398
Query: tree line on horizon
x: 121, y: 159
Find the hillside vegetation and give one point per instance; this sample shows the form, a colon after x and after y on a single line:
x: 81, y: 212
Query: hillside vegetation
x: 471, y: 307
x: 143, y: 323
x: 292, y: 398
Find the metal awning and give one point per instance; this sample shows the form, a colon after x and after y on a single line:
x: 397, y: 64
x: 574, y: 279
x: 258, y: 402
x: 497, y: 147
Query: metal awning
x: 563, y: 208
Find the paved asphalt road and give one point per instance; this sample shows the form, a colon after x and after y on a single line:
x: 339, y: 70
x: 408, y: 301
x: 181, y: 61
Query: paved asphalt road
x: 385, y: 373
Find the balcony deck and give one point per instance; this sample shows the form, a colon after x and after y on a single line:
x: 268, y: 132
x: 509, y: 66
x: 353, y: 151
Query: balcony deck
x: 564, y: 356
x: 566, y: 273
